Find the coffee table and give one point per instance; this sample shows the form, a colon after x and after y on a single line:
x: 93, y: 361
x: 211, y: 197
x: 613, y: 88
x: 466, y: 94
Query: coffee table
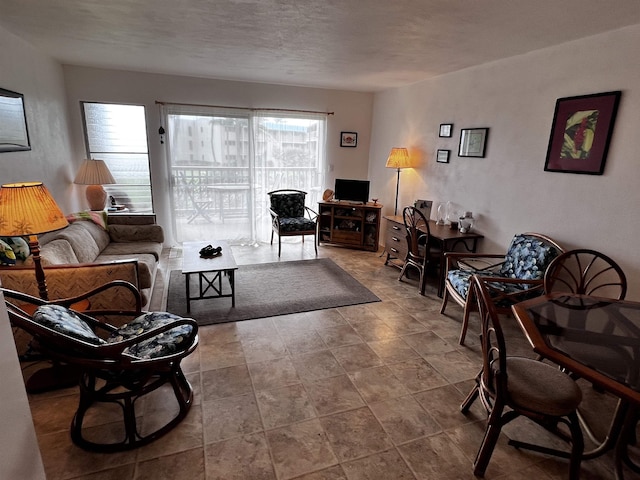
x: 217, y: 267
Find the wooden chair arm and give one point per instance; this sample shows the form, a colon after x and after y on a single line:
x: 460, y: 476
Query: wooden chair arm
x: 455, y: 260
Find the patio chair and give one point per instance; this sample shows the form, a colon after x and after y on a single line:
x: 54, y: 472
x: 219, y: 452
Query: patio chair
x: 512, y: 386
x: 113, y: 365
x: 290, y: 216
x: 517, y: 275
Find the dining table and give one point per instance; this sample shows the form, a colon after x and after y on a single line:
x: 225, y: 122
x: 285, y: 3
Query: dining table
x: 597, y: 339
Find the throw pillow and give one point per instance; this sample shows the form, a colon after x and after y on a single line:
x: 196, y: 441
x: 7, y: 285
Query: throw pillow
x: 99, y: 218
x: 19, y: 246
x: 7, y: 257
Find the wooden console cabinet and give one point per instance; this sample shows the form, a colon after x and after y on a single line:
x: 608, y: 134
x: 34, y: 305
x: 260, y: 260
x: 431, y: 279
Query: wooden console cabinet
x: 350, y: 225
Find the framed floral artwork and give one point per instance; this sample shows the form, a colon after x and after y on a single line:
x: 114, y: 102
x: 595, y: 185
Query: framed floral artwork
x: 581, y: 133
x: 348, y: 139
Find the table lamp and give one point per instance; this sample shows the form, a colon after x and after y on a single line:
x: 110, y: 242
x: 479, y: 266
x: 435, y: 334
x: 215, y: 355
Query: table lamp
x: 94, y: 174
x: 398, y: 158
x: 29, y: 209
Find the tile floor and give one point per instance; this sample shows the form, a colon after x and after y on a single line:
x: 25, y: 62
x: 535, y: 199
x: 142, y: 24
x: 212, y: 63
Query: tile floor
x: 361, y: 392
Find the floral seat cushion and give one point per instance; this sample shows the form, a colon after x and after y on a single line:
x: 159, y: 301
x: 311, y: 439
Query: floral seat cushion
x: 297, y: 224
x: 66, y: 321
x: 161, y: 345
x: 527, y: 259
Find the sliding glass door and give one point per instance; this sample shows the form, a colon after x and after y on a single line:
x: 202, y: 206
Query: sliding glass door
x: 224, y: 161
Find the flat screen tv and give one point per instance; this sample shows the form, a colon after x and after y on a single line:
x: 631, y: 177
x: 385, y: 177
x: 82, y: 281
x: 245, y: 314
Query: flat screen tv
x: 352, y: 190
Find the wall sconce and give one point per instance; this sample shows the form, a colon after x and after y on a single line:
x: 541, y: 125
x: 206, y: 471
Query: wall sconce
x: 94, y: 174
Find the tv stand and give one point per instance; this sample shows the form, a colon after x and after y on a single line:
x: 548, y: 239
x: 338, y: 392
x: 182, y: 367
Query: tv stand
x: 351, y: 224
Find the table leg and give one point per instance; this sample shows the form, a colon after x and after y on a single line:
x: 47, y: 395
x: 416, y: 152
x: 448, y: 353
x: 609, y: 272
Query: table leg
x: 187, y: 282
x: 232, y: 282
x: 621, y: 455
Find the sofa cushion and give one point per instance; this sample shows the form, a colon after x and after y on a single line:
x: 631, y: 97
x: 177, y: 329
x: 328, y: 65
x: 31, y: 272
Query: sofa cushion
x: 19, y: 246
x: 55, y: 252
x: 99, y: 234
x: 136, y: 233
x: 7, y: 255
x: 82, y: 242
x: 146, y: 265
x: 134, y: 249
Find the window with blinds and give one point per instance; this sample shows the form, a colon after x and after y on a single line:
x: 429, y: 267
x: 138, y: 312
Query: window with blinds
x: 117, y: 134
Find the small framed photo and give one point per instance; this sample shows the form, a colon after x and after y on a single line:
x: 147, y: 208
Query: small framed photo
x: 348, y: 139
x: 446, y: 130
x: 443, y: 156
x: 473, y: 142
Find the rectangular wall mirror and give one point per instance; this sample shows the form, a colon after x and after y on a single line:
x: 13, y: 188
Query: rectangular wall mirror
x: 14, y: 135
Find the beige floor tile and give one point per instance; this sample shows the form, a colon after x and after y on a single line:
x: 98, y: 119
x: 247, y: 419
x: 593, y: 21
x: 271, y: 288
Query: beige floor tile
x: 356, y: 433
x: 356, y: 357
x: 317, y: 365
x: 339, y: 336
x: 404, y: 419
x: 230, y: 417
x: 239, y: 458
x: 436, y: 457
x: 370, y: 467
x: 300, y: 448
x: 189, y: 464
x: 334, y: 394
x: 377, y: 384
x: 417, y: 374
x: 283, y: 406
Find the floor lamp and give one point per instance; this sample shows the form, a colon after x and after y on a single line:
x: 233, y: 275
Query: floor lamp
x: 29, y: 209
x: 398, y: 158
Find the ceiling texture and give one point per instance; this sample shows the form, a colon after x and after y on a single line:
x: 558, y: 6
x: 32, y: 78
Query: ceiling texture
x: 359, y: 45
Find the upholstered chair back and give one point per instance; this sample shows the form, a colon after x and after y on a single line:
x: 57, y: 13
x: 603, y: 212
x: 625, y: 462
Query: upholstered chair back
x: 288, y: 205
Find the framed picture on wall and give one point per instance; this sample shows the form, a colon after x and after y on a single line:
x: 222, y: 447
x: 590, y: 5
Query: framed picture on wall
x: 442, y: 156
x: 348, y: 139
x: 14, y: 135
x: 581, y: 133
x: 446, y: 130
x: 473, y: 142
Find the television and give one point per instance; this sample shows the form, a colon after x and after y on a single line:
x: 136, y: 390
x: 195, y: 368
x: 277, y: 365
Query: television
x: 351, y: 190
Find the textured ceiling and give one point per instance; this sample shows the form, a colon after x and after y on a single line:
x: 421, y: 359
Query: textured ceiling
x: 364, y: 45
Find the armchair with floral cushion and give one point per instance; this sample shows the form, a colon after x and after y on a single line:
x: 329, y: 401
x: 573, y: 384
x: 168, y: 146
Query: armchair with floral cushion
x: 518, y: 274
x: 290, y: 216
x: 130, y: 365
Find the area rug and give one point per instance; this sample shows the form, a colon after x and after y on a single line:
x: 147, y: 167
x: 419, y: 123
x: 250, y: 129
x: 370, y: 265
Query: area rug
x: 270, y: 289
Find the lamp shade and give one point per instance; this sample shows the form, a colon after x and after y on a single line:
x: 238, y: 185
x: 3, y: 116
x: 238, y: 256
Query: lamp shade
x: 28, y: 209
x: 398, y: 158
x: 94, y: 172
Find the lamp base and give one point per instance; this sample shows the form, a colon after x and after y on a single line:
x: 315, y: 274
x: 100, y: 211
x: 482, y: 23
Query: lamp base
x: 96, y: 196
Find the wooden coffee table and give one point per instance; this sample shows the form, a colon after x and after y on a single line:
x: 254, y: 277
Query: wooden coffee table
x: 217, y: 267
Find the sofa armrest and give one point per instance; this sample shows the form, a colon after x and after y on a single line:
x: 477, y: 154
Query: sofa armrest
x: 136, y: 233
x: 64, y: 281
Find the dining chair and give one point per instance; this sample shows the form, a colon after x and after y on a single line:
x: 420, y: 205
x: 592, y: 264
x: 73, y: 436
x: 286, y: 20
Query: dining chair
x: 120, y: 366
x: 517, y: 274
x: 589, y: 272
x: 513, y: 386
x: 420, y: 251
x: 586, y: 272
x: 290, y: 216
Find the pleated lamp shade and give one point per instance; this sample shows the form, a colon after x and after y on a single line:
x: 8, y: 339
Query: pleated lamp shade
x: 398, y: 158
x: 28, y: 209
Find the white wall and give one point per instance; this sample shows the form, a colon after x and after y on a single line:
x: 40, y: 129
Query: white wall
x: 352, y: 113
x: 39, y: 78
x: 508, y: 191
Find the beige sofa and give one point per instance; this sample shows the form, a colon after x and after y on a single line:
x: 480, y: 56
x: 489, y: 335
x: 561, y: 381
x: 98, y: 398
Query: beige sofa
x: 84, y: 255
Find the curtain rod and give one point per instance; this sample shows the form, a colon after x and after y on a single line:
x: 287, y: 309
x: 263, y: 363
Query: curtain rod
x: 243, y: 108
